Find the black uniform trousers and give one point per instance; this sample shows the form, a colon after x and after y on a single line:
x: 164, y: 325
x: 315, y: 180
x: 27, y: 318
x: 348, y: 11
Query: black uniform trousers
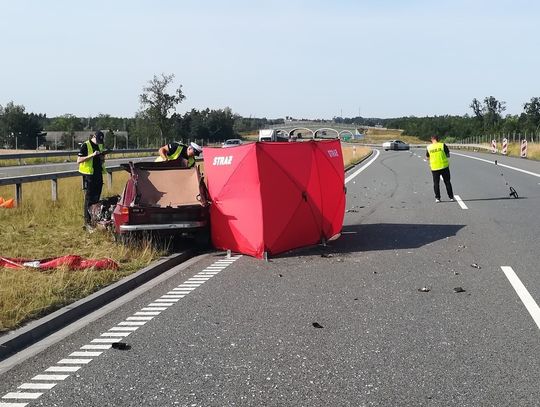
x: 92, y: 185
x: 445, y: 173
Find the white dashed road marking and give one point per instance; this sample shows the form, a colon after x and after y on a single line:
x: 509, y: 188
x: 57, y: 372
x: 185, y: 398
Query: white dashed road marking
x: 523, y: 294
x: 115, y: 334
x: 460, y: 202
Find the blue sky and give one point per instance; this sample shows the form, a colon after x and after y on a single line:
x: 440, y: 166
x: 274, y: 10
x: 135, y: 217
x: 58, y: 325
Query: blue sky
x: 306, y: 59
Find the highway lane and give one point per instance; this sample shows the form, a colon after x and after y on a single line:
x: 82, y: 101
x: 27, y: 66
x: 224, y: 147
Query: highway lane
x: 22, y: 170
x: 245, y: 336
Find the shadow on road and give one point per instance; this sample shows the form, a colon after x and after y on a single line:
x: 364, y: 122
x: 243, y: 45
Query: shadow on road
x: 380, y: 236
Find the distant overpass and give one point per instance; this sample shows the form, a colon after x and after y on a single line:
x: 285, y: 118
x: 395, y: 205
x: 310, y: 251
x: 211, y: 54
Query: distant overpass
x: 316, y: 129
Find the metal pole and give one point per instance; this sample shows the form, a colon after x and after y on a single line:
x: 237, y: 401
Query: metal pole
x: 54, y: 189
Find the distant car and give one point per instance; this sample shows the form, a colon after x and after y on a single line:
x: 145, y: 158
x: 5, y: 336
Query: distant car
x: 395, y: 145
x: 232, y: 142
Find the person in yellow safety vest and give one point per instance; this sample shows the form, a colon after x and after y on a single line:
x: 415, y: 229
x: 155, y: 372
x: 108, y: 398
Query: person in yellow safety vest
x: 91, y: 160
x: 437, y: 153
x: 177, y: 151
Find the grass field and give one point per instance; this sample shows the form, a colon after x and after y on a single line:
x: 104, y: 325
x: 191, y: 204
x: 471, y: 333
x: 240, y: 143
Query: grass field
x: 514, y: 150
x: 41, y: 228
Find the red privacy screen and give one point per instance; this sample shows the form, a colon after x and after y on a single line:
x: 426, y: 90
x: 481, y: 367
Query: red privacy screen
x: 275, y: 197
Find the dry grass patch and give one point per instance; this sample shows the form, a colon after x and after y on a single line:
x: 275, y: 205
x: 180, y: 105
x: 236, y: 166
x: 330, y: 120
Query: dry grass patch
x: 42, y: 228
x: 354, y: 154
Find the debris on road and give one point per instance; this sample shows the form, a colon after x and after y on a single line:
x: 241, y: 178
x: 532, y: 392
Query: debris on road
x: 327, y: 255
x: 424, y: 290
x: 317, y: 325
x: 459, y: 290
x: 476, y: 266
x: 121, y: 346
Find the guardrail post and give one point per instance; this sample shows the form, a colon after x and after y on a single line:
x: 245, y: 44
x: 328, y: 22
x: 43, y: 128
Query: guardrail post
x: 109, y: 180
x: 18, y: 194
x: 54, y: 189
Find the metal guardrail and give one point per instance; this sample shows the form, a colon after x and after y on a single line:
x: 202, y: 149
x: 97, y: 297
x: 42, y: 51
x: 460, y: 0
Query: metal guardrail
x: 67, y: 153
x: 54, y: 177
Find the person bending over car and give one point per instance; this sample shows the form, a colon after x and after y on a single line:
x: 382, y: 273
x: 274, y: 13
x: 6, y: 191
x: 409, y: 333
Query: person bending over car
x: 91, y: 160
x: 177, y: 151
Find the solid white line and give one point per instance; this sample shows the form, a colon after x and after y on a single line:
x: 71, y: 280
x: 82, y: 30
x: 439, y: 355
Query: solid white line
x: 139, y: 318
x: 58, y: 369
x: 363, y: 167
x: 460, y: 202
x: 168, y: 300
x: 147, y: 313
x: 37, y: 386
x: 500, y: 165
x: 158, y: 305
x: 74, y: 361
x: 176, y: 294
x: 523, y: 294
x: 55, y: 377
x: 189, y: 285
x: 154, y: 309
x: 107, y: 340
x: 13, y: 404
x: 31, y: 396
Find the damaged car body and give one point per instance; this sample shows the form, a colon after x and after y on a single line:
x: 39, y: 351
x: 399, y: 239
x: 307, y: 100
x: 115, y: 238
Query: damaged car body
x: 164, y: 198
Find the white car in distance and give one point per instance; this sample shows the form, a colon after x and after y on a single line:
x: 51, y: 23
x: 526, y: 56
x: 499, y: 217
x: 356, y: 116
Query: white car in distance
x: 232, y: 142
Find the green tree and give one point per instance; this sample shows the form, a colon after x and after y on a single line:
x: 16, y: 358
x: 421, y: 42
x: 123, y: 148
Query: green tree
x: 489, y: 113
x: 532, y: 114
x: 157, y: 104
x: 68, y: 124
x: 20, y: 129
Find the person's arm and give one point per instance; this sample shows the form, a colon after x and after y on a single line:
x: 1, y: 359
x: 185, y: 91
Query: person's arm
x: 446, y: 150
x: 163, y: 151
x: 427, y: 153
x: 83, y: 154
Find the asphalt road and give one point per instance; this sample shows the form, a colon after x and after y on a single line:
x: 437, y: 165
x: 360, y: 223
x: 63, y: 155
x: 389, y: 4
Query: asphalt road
x: 240, y: 331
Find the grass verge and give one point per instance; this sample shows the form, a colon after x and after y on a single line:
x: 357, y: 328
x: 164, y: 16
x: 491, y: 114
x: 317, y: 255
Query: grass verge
x: 42, y: 228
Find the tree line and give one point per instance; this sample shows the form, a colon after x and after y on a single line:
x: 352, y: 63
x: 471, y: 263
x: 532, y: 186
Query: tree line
x: 486, y: 119
x: 157, y: 122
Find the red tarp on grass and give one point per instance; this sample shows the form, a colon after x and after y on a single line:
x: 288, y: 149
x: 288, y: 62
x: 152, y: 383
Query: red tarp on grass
x: 275, y: 197
x: 72, y: 262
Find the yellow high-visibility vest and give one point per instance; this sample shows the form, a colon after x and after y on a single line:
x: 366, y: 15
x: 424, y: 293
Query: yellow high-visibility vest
x: 437, y: 157
x: 87, y: 167
x: 176, y: 154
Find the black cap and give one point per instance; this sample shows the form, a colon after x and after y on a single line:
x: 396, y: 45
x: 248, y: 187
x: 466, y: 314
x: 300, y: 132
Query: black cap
x: 99, y: 136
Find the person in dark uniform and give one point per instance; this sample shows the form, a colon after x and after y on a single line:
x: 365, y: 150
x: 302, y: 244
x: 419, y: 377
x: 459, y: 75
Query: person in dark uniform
x: 438, y: 153
x: 176, y: 151
x: 91, y: 160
